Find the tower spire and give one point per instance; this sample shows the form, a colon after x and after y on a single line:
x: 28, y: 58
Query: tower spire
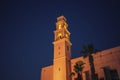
x: 61, y: 22
x: 62, y: 50
x: 61, y: 29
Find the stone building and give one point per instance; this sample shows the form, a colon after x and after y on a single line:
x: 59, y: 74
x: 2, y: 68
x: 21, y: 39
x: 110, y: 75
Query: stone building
x: 106, y: 62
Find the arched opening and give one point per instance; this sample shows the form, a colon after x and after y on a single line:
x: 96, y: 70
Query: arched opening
x: 59, y: 26
x: 60, y: 35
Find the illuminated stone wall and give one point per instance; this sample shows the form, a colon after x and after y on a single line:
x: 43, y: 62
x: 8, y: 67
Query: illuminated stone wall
x: 63, y: 65
x: 47, y: 73
x: 106, y: 58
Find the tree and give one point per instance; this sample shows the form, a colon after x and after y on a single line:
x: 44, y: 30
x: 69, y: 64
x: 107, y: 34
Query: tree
x: 78, y: 67
x: 87, y: 51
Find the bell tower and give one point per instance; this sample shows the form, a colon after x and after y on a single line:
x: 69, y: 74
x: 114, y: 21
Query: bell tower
x: 62, y: 50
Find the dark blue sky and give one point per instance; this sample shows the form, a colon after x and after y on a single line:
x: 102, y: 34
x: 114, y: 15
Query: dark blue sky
x: 26, y: 32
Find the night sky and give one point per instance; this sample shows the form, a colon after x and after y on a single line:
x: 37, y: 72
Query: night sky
x: 26, y: 32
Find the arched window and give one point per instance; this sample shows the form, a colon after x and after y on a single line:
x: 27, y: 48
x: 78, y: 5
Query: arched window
x: 60, y: 35
x: 59, y: 26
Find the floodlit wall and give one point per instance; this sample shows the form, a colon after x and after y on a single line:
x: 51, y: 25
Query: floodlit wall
x: 106, y: 58
x: 47, y: 73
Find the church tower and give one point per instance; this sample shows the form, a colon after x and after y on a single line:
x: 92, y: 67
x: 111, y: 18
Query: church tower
x: 62, y: 51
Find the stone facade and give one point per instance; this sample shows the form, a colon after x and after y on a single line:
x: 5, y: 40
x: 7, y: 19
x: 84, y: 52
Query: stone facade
x: 109, y: 58
x: 106, y: 62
